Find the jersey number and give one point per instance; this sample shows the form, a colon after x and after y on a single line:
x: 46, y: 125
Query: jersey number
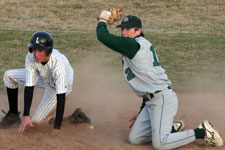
x: 156, y: 62
x: 129, y: 73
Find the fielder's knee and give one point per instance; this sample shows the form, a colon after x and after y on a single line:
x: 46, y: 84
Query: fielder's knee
x: 158, y: 145
x: 136, y: 141
x: 133, y: 140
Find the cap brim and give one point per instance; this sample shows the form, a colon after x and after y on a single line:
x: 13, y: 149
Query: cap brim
x: 118, y: 26
x: 124, y: 26
x: 36, y: 46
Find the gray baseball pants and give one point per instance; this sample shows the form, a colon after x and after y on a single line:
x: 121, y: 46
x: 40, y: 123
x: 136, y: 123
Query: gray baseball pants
x: 154, y: 123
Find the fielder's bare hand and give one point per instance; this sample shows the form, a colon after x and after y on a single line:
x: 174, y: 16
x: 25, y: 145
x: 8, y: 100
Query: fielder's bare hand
x: 132, y: 120
x: 26, y: 121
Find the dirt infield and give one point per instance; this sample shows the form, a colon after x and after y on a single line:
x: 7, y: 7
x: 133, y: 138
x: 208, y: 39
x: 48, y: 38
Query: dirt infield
x: 188, y: 36
x: 111, y: 124
x: 110, y: 107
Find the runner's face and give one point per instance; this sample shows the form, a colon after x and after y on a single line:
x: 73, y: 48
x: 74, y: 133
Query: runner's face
x: 131, y: 33
x: 40, y: 55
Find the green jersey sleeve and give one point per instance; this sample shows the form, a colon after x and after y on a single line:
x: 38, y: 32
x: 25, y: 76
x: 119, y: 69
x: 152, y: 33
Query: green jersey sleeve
x: 123, y: 45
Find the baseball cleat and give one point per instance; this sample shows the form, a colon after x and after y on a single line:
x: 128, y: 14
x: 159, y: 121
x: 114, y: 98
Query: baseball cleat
x: 178, y: 126
x: 9, y: 120
x: 212, y: 136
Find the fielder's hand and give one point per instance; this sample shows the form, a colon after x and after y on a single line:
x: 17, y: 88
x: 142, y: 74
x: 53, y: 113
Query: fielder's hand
x: 132, y: 120
x: 111, y: 15
x: 26, y: 121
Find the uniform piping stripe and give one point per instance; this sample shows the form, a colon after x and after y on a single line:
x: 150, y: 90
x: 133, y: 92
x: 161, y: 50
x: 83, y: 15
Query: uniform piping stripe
x: 181, y: 139
x: 160, y: 128
x: 161, y: 120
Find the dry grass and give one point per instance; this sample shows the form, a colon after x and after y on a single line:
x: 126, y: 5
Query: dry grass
x: 171, y: 16
x: 187, y: 34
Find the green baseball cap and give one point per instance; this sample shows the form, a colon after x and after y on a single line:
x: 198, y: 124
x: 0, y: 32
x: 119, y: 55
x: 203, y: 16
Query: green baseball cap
x: 130, y: 21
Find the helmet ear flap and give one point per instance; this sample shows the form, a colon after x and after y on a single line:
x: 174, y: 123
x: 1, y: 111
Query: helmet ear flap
x: 48, y: 51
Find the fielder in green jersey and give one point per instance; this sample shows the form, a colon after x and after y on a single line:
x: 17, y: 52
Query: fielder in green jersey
x: 148, y: 79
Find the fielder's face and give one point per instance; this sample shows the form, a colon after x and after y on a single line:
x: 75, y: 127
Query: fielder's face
x: 40, y: 55
x: 131, y: 33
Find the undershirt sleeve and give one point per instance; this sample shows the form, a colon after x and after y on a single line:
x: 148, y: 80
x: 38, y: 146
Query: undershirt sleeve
x: 59, y: 110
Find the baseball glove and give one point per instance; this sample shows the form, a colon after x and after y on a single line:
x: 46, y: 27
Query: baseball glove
x: 78, y: 116
x: 111, y: 15
x: 116, y: 14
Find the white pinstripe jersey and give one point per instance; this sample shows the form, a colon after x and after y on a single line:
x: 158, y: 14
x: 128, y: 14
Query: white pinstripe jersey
x: 58, y: 72
x: 144, y: 73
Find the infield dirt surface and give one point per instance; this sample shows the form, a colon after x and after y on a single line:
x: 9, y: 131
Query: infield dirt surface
x: 188, y: 36
x: 110, y: 105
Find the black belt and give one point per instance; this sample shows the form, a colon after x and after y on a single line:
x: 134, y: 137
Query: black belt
x: 152, y: 94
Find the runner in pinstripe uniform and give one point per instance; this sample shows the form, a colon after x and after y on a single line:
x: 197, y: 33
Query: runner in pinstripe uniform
x: 47, y: 68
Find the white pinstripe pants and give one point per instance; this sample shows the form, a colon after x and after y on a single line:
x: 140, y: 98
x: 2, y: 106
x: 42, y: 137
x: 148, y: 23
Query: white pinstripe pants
x: 12, y: 78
